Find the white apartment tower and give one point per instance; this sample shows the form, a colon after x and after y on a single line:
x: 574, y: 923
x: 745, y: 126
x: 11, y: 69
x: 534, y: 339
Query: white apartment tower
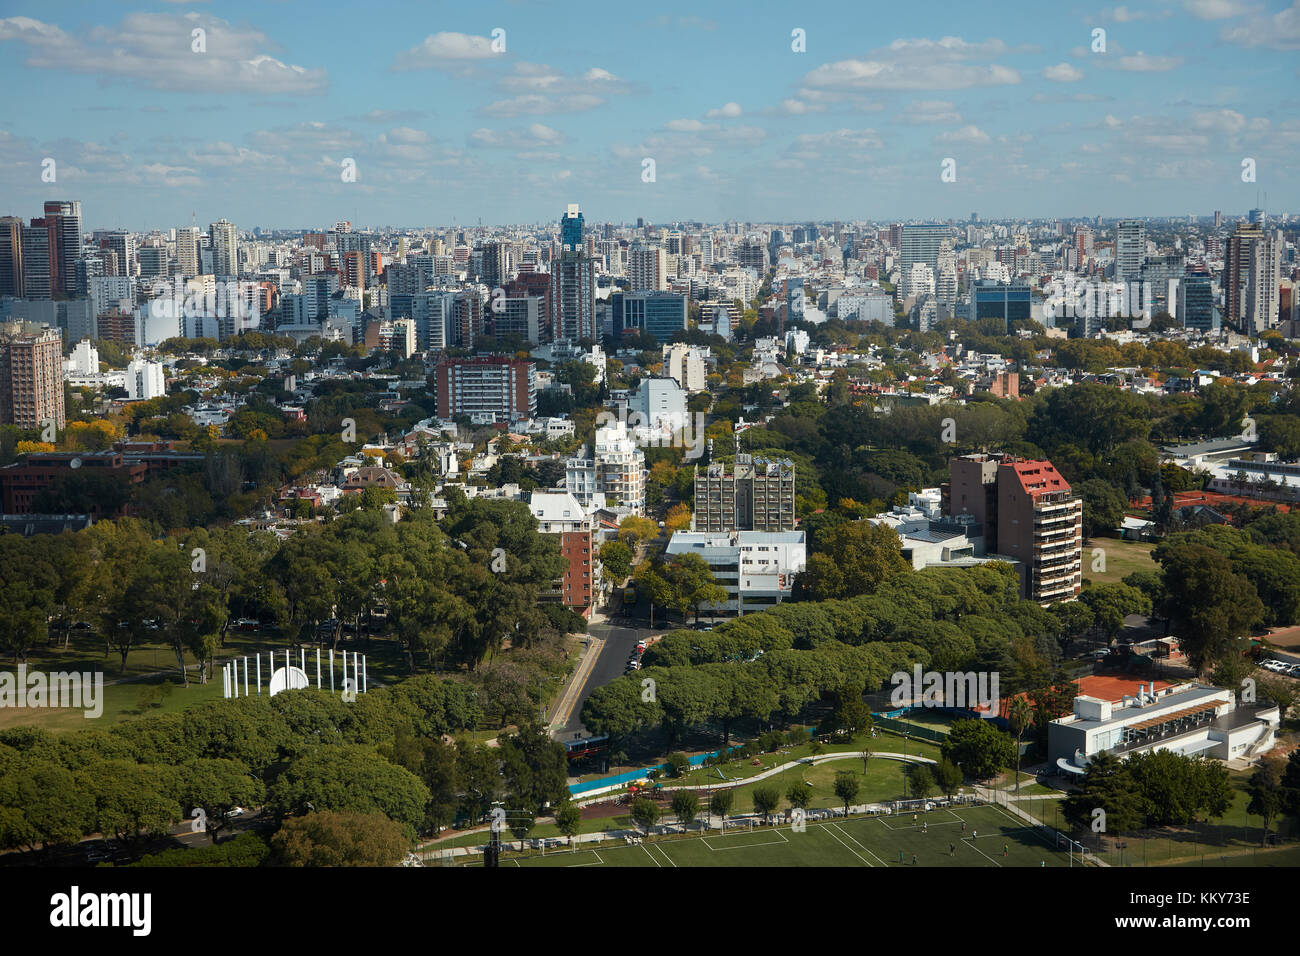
x: 225, y: 261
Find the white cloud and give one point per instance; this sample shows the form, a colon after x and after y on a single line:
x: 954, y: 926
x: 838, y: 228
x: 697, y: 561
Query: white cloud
x: 144, y: 48
x: 1280, y: 31
x: 1141, y: 63
x: 537, y: 104
x: 810, y: 145
x: 878, y: 75
x: 442, y: 50
x: 926, y: 112
x: 918, y: 64
x: 1216, y: 9
x: 1063, y: 73
x: 967, y: 134
x: 540, y: 78
x: 729, y: 110
x: 532, y: 137
x: 1125, y: 15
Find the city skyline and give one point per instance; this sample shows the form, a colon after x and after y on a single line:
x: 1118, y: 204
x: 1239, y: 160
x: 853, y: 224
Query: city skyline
x: 454, y: 122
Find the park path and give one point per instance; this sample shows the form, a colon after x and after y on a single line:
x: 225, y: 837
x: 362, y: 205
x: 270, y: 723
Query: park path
x: 813, y: 760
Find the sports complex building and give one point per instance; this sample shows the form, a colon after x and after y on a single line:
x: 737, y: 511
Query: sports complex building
x: 1189, y: 719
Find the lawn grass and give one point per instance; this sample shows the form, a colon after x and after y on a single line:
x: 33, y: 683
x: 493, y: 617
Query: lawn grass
x: 857, y: 841
x: 151, y: 666
x: 742, y: 768
x: 1122, y: 558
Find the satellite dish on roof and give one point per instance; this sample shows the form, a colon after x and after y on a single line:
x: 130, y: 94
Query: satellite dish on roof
x: 296, y: 679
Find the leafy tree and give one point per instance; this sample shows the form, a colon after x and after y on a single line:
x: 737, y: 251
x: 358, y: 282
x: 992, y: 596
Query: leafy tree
x: 131, y: 801
x: 1020, y: 715
x: 28, y: 597
x: 534, y: 767
x: 1108, y: 785
x: 766, y: 800
x: 41, y: 803
x: 616, y: 559
x: 947, y: 776
x: 799, y: 794
x: 346, y: 838
x: 1211, y: 608
x: 568, y: 819
x: 685, y: 806
x: 350, y: 778
x: 1267, y: 795
x: 1103, y: 506
x: 846, y: 788
x: 856, y: 559
x: 979, y: 748
x: 678, y: 764
x: 1176, y: 789
x: 920, y: 780
x: 645, y: 812
x: 218, y: 786
x: 1111, y: 603
x: 721, y: 803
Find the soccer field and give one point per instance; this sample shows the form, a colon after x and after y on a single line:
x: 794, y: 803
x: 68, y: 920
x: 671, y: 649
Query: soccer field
x: 857, y: 841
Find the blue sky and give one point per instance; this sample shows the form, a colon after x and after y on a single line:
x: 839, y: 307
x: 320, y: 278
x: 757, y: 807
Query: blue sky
x: 443, y: 127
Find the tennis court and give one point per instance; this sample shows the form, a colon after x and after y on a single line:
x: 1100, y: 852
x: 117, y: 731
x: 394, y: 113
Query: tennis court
x: 935, y: 839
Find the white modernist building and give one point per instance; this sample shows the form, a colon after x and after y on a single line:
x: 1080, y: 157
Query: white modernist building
x: 756, y: 568
x: 686, y: 365
x: 145, y: 380
x: 1189, y: 719
x: 616, y: 469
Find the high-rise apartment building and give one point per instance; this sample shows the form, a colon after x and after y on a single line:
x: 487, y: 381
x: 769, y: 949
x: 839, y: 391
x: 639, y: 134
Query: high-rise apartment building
x: 31, y: 379
x: 63, y: 222
x: 647, y: 267
x: 38, y: 283
x: 187, y: 250
x: 11, y: 256
x: 573, y: 283
x: 1027, y: 512
x: 1130, y: 249
x: 1195, y: 308
x: 225, y: 259
x: 1251, y: 278
x: 496, y: 263
x: 122, y: 245
x: 920, y: 243
x: 751, y: 494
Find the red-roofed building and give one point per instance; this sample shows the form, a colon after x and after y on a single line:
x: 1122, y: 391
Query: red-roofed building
x: 1028, y: 513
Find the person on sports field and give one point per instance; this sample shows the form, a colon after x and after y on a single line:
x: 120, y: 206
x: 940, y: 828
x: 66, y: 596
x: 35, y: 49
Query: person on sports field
x: 914, y: 859
x: 1004, y: 849
x: 952, y: 849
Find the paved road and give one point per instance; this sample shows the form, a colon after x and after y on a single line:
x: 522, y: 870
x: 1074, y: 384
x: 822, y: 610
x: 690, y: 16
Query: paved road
x: 617, y: 648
